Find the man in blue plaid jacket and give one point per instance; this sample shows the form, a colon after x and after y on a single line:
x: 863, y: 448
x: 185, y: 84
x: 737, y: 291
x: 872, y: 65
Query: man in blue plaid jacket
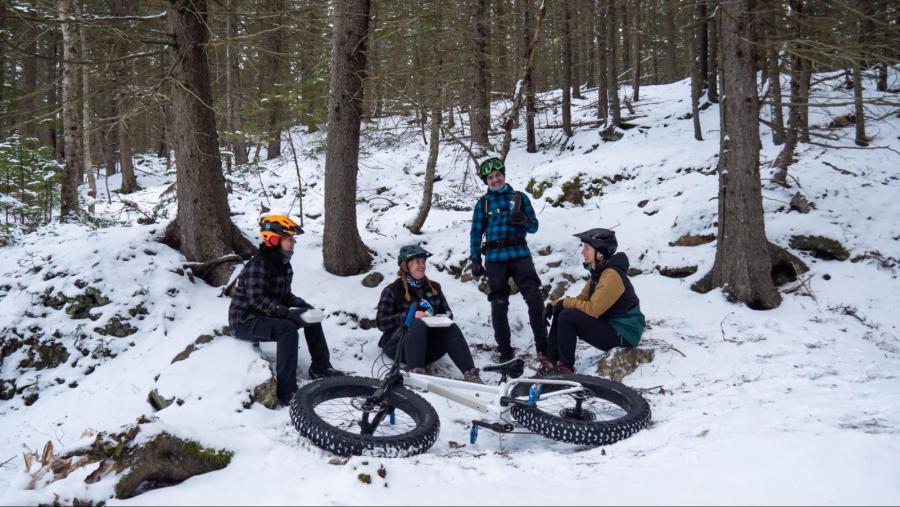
x: 503, y: 217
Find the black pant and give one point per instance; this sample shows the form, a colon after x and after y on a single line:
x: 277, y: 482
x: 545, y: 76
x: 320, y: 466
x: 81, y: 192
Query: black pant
x: 284, y: 331
x: 522, y: 272
x: 571, y: 324
x: 424, y: 344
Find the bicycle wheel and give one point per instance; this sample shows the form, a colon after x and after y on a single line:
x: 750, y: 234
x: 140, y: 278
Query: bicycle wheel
x: 331, y: 412
x: 604, y: 413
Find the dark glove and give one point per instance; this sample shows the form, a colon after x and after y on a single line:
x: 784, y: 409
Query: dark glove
x: 548, y: 313
x: 295, y: 315
x: 477, y: 268
x: 518, y: 218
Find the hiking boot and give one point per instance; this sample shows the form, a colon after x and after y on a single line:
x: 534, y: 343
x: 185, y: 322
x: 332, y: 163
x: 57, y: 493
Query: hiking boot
x: 473, y: 376
x: 563, y: 369
x: 547, y: 367
x: 325, y: 373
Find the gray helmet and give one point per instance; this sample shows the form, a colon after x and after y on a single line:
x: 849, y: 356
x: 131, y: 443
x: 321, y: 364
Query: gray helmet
x: 603, y: 240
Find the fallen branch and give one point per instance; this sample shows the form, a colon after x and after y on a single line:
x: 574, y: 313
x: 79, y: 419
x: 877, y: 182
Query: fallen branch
x: 202, y: 267
x: 838, y: 169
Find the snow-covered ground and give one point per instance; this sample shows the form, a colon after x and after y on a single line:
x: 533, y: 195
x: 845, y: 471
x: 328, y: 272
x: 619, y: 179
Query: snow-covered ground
x: 798, y: 405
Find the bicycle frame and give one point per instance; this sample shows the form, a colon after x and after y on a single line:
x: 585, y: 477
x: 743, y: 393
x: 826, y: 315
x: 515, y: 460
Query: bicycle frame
x: 458, y: 391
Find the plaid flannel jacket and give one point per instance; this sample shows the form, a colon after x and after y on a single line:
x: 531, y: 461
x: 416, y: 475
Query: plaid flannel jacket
x: 263, y: 289
x: 497, y: 225
x: 392, y: 306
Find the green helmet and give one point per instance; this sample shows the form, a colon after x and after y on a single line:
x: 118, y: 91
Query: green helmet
x: 408, y: 252
x: 490, y: 165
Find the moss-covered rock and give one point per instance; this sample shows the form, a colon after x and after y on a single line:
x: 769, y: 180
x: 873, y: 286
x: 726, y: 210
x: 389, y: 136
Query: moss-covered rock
x: 693, y: 240
x: 622, y: 361
x: 677, y: 272
x: 158, y: 401
x: 80, y: 306
x: 41, y: 355
x: 571, y: 193
x: 820, y: 247
x: 265, y: 394
x: 166, y: 461
x: 372, y: 280
x: 116, y: 327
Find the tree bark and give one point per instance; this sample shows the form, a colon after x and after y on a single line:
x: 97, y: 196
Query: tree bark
x: 599, y: 16
x: 343, y: 251
x: 233, y: 85
x: 698, y: 60
x: 672, y: 51
x: 480, y: 114
x: 527, y: 83
x: 566, y: 74
x: 126, y: 164
x: 428, y: 190
x: 86, y: 109
x: 742, y: 267
x: 703, y: 43
x: 275, y: 68
x: 71, y: 125
x: 636, y: 66
x: 775, y: 92
x: 29, y: 84
x: 612, y: 79
x: 202, y: 228
x: 712, y: 76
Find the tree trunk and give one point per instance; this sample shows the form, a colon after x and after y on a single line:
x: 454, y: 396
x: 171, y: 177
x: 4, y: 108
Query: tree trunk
x: 612, y: 80
x: 775, y: 92
x: 636, y: 66
x: 29, y: 84
x: 698, y: 59
x: 86, y: 109
x: 575, y: 61
x: 703, y: 43
x: 624, y: 18
x: 861, y: 139
x: 427, y: 191
x: 480, y: 114
x: 712, y: 77
x: 805, y: 77
x: 566, y: 74
x: 742, y: 266
x: 202, y: 229
x: 343, y: 251
x: 71, y: 125
x: 527, y: 83
x: 599, y: 16
x: 671, y: 52
x: 121, y: 76
x: 275, y: 68
x: 233, y: 85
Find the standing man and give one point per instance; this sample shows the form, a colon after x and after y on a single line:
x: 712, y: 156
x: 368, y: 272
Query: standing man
x: 503, y: 217
x: 263, y: 308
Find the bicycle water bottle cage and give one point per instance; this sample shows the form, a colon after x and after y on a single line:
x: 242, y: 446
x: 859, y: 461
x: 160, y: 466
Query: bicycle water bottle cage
x: 425, y: 306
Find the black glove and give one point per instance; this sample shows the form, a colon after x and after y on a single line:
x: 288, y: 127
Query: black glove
x: 548, y: 313
x: 295, y: 315
x: 517, y: 218
x: 477, y: 268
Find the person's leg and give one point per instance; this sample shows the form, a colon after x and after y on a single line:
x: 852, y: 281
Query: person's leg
x: 498, y: 282
x: 574, y: 324
x: 529, y: 284
x: 553, y: 340
x: 284, y: 332
x: 414, y: 345
x: 450, y: 340
x: 318, y: 348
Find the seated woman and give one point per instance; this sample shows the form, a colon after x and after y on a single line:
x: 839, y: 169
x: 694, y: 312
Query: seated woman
x: 606, y: 314
x: 422, y: 344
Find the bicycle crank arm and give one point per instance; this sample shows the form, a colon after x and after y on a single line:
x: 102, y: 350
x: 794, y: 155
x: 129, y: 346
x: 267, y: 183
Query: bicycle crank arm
x: 494, y: 426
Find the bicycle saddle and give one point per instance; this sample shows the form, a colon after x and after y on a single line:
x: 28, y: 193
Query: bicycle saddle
x: 514, y: 367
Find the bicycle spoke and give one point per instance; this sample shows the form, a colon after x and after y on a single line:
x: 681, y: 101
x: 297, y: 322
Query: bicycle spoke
x: 346, y: 413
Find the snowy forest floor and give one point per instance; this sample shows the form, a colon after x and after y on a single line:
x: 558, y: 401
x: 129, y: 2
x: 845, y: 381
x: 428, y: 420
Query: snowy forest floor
x: 797, y: 405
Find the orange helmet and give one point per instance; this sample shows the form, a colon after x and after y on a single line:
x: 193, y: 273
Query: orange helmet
x: 274, y: 227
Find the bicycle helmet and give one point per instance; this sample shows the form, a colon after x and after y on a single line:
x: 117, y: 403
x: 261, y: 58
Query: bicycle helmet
x: 490, y: 165
x: 602, y: 240
x: 277, y: 226
x: 408, y: 252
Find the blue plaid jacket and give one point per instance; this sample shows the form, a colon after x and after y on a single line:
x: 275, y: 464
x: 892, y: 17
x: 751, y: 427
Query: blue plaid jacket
x: 497, y: 226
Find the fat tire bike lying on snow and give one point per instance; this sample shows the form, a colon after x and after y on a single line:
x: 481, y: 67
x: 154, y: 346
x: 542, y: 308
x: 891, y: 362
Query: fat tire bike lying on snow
x: 366, y: 416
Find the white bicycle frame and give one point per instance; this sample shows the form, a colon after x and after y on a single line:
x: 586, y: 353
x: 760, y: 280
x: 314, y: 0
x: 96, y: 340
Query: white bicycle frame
x: 459, y: 391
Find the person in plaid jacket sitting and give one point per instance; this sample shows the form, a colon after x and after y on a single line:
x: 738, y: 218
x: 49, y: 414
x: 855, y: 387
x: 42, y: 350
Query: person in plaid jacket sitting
x: 503, y: 217
x: 263, y: 308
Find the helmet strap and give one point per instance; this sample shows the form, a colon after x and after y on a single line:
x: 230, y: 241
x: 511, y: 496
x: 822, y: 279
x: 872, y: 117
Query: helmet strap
x: 273, y: 241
